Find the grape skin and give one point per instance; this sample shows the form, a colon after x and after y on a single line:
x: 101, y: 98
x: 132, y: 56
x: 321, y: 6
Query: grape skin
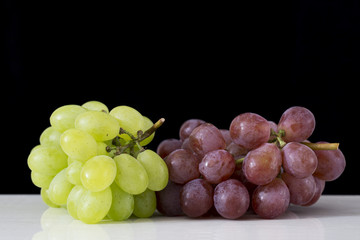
x: 262, y: 164
x: 196, y: 198
x: 167, y: 146
x: 100, y: 125
x: 145, y: 204
x: 298, y: 124
x: 183, y: 166
x: 249, y: 130
x: 188, y: 126
x: 168, y: 200
x: 299, y: 160
x: 156, y: 169
x: 231, y: 199
x: 98, y: 173
x: 271, y: 200
x: 217, y: 166
x: 331, y: 164
x: 64, y: 117
x: 302, y: 190
x: 78, y: 144
x: 131, y: 176
x: 206, y: 138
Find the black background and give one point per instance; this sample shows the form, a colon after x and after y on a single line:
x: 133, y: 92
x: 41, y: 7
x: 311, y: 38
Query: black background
x: 211, y: 62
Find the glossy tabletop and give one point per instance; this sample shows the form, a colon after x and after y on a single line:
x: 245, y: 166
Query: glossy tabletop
x: 333, y: 217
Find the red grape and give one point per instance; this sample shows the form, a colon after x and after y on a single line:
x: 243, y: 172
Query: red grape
x: 271, y: 200
x: 262, y: 164
x: 298, y: 124
x: 231, y: 199
x: 249, y: 130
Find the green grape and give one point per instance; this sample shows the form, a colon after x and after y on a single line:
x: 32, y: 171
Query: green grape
x: 156, y: 169
x: 122, y: 204
x: 47, y: 160
x: 100, y: 125
x: 145, y: 204
x: 73, y: 172
x: 147, y: 124
x: 41, y: 180
x: 50, y: 137
x: 45, y: 198
x: 92, y: 207
x: 131, y: 175
x: 36, y: 147
x: 64, y: 117
x: 59, y: 188
x: 73, y: 199
x: 95, y: 106
x: 98, y: 173
x: 101, y: 149
x: 129, y: 118
x: 78, y: 144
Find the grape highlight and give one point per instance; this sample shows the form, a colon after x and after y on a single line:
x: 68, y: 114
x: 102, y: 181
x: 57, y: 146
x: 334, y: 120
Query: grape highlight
x: 93, y: 162
x: 256, y: 165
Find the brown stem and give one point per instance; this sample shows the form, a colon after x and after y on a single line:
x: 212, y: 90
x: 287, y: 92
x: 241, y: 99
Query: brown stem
x: 322, y: 146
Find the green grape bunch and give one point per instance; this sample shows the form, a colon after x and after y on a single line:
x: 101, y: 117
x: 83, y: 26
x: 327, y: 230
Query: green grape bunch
x: 92, y: 161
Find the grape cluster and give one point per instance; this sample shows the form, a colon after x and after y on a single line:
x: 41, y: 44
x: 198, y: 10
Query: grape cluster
x: 256, y: 164
x: 92, y: 161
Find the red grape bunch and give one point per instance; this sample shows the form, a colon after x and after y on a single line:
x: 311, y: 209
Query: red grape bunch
x: 255, y: 164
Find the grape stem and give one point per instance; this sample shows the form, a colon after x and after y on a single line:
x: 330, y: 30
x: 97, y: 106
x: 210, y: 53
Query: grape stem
x: 314, y: 146
x: 322, y: 146
x: 135, y: 141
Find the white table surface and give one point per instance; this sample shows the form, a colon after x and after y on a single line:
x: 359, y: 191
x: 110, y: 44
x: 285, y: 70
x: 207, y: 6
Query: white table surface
x: 333, y: 217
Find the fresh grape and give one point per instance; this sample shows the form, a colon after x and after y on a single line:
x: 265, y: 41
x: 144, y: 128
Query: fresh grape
x: 129, y: 119
x: 145, y: 204
x: 50, y: 137
x: 122, y: 205
x: 92, y: 207
x: 131, y: 176
x: 168, y: 200
x: 298, y: 124
x: 249, y: 130
x: 41, y: 180
x: 59, y: 188
x: 98, y: 173
x: 78, y: 144
x: 231, y: 199
x: 217, y: 166
x: 271, y: 200
x: 95, y: 106
x: 183, y: 166
x: 167, y: 146
x: 74, y: 198
x: 262, y: 164
x: 47, y: 160
x: 188, y: 126
x: 73, y: 172
x: 299, y: 160
x: 320, y: 185
x: 206, y: 138
x: 156, y: 169
x: 64, y: 117
x: 100, y: 125
x: 196, y: 198
x: 45, y: 198
x: 331, y: 164
x: 302, y: 190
